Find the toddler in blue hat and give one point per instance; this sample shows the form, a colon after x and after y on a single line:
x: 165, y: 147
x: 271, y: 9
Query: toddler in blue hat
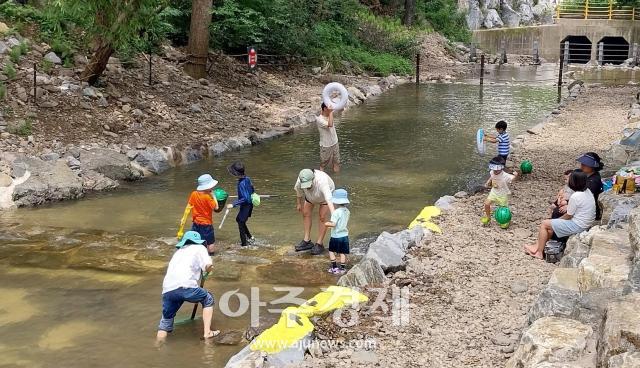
x: 339, y: 243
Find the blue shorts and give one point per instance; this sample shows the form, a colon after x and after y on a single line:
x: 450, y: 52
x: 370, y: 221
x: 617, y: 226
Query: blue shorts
x: 206, y: 232
x: 563, y: 228
x: 172, y: 301
x: 339, y: 245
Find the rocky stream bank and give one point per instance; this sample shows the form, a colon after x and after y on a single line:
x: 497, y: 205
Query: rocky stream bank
x: 477, y: 300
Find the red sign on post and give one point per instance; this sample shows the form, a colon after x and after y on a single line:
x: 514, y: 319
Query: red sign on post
x: 252, y: 57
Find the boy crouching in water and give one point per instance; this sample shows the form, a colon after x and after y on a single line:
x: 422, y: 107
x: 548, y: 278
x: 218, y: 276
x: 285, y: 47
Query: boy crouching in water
x: 339, y: 243
x: 499, y: 183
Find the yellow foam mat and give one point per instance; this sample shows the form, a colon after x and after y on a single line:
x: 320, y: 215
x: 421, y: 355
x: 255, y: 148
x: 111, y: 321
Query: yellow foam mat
x: 423, y: 218
x: 294, y: 323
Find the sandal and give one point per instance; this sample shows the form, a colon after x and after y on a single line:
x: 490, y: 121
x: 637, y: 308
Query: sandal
x: 213, y: 334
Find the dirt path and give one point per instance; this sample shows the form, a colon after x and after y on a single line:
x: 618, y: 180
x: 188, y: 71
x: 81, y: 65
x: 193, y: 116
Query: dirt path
x: 471, y: 287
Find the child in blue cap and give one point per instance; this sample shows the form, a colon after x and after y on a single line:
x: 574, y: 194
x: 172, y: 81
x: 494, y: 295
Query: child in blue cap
x: 181, y: 284
x: 339, y: 243
x: 244, y: 201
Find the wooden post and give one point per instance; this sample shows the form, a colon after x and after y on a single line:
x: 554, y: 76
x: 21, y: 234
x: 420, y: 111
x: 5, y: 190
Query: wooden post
x: 503, y: 56
x: 561, y: 69
x: 35, y: 84
x: 482, y: 69
x: 536, y: 53
x: 418, y: 68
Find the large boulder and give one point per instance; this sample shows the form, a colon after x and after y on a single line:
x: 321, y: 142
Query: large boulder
x: 526, y: 14
x: 109, y: 163
x: 491, y: 4
x: 609, y: 261
x: 47, y: 181
x: 94, y: 181
x: 389, y: 250
x: 634, y: 231
x: 626, y: 360
x: 559, y: 297
x: 575, y: 251
x: 633, y: 283
x: 510, y: 17
x: 153, y: 160
x: 474, y: 15
x: 621, y: 332
x: 592, y: 306
x: 367, y: 272
x: 617, y: 208
x: 555, y: 342
x: 543, y: 13
x: 492, y: 20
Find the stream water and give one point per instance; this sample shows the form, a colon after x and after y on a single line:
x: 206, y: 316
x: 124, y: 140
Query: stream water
x: 80, y: 281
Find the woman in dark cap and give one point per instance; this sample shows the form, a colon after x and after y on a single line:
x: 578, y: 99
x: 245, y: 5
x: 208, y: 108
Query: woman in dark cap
x: 591, y: 164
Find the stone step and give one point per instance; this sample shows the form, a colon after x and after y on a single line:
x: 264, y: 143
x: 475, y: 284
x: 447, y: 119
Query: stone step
x: 556, y: 342
x: 599, y: 271
x: 621, y: 333
x: 559, y: 298
x: 612, y: 243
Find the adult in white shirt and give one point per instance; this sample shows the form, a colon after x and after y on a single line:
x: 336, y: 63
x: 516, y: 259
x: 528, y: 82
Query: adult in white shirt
x: 313, y: 187
x: 329, y: 147
x: 580, y: 215
x: 181, y: 284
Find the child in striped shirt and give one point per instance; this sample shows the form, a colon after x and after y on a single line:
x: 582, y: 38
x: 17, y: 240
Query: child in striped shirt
x: 502, y: 139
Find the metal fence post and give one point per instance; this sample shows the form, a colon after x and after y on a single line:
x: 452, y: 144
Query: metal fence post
x: 482, y: 69
x: 418, y: 68
x: 503, y: 57
x: 601, y: 53
x: 536, y: 53
x: 566, y: 55
x: 634, y: 56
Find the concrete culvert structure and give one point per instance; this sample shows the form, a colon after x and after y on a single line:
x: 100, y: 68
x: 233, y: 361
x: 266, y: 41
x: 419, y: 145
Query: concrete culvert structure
x: 579, y: 49
x: 615, y: 50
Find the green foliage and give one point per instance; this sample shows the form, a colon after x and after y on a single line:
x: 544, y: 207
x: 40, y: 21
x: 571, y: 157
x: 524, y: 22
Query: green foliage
x: 444, y: 17
x: 24, y: 47
x: 3, y: 90
x: 15, y: 54
x: 46, y: 66
x: 23, y: 128
x: 9, y: 70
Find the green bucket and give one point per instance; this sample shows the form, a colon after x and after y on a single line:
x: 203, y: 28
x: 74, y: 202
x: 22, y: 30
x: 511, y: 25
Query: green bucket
x: 221, y: 196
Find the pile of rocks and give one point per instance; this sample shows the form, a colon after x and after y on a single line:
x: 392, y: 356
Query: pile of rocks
x: 621, y: 154
x: 505, y: 13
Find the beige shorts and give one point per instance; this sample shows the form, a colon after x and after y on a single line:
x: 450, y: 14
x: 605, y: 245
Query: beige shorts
x: 330, y: 156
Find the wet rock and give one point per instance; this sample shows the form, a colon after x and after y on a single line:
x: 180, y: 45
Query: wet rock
x: 109, y: 163
x: 626, y: 360
x: 248, y: 260
x: 560, y: 296
x: 621, y: 332
x: 367, y: 272
x: 265, y: 321
x: 53, y: 58
x: 153, y: 160
x: 94, y: 181
x: 48, y: 181
x: 557, y: 341
x: 236, y: 143
x: 218, y: 149
x: 233, y: 337
x: 229, y: 272
x: 355, y: 94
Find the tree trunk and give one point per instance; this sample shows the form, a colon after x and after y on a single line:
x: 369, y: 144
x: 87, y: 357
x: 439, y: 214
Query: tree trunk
x: 98, y: 63
x: 199, y: 39
x: 409, y: 12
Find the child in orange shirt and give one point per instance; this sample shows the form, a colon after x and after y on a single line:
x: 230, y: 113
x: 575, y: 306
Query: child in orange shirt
x: 201, y: 205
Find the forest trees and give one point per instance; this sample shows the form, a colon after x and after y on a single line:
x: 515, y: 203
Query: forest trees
x: 199, y: 39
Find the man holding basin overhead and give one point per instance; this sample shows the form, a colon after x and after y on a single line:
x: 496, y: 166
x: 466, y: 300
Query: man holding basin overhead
x: 313, y: 187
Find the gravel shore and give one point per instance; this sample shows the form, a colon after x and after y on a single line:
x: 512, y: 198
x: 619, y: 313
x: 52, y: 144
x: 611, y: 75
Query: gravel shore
x: 472, y: 286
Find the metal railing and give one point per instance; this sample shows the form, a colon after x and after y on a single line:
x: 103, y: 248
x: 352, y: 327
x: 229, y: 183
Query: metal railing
x: 577, y: 9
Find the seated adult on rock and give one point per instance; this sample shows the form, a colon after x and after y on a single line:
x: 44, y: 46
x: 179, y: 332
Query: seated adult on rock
x: 591, y: 164
x: 580, y: 215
